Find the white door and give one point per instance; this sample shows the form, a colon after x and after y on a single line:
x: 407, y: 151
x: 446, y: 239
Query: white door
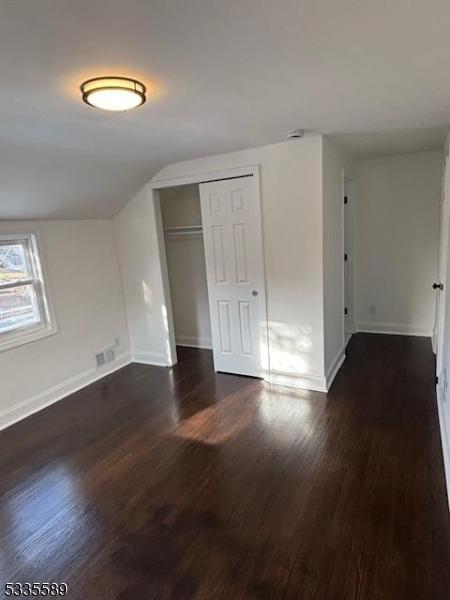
x: 231, y: 217
x: 438, y: 333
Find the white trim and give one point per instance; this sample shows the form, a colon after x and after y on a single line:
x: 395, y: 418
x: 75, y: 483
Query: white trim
x: 333, y: 369
x: 203, y: 177
x: 349, y: 191
x: 57, y: 392
x: 14, y: 284
x: 26, y: 335
x: 191, y: 341
x: 393, y: 329
x: 314, y: 383
x: 445, y: 440
x: 156, y: 359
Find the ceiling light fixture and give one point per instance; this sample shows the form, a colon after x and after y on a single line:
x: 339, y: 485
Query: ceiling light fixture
x: 113, y: 93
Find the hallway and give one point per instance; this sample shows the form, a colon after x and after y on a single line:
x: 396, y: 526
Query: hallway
x: 181, y: 483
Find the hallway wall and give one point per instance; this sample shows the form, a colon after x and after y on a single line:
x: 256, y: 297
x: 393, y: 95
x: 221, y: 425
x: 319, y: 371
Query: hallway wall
x: 396, y: 242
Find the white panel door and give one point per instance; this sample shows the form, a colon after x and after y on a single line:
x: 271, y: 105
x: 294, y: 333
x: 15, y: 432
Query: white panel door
x: 235, y: 272
x: 443, y: 263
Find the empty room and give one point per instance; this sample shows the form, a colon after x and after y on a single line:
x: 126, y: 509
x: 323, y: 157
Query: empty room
x: 224, y: 300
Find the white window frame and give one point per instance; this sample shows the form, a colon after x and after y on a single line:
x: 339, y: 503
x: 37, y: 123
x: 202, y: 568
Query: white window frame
x: 47, y: 325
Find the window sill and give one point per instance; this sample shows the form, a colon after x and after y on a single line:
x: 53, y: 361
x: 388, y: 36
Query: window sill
x: 9, y: 341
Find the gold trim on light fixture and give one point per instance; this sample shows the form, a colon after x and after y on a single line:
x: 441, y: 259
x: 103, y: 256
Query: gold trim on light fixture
x: 113, y: 93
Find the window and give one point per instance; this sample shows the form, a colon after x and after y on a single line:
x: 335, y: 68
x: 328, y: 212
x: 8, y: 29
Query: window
x: 25, y: 312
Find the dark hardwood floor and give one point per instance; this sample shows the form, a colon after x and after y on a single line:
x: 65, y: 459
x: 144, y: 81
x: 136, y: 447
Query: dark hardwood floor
x: 182, y: 483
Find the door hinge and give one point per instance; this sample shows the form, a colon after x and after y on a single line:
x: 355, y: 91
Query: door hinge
x: 345, y: 256
x: 436, y: 380
x: 345, y: 311
x: 345, y: 199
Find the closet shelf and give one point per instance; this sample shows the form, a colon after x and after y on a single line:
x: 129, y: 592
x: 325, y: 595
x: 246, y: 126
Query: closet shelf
x: 184, y: 230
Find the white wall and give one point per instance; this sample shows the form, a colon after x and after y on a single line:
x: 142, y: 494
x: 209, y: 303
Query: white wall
x: 396, y: 242
x: 335, y: 164
x: 180, y: 206
x: 84, y: 280
x: 139, y: 255
x: 291, y: 184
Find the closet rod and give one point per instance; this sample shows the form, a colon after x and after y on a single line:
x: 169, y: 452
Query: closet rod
x: 184, y: 230
x: 182, y: 227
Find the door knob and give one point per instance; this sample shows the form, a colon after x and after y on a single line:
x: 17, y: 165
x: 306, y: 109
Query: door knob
x: 438, y: 286
x: 254, y: 292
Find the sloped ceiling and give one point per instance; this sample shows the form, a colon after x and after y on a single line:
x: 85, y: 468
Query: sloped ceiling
x: 222, y: 75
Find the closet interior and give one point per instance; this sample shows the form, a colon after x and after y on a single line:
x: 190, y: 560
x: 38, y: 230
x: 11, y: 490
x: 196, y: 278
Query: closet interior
x: 183, y: 238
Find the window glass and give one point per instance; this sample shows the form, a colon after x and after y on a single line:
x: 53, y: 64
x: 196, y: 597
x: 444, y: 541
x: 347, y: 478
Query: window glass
x: 18, y: 308
x: 13, y: 263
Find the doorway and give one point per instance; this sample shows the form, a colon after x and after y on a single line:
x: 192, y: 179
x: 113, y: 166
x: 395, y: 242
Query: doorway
x: 349, y: 327
x: 213, y: 268
x: 185, y: 255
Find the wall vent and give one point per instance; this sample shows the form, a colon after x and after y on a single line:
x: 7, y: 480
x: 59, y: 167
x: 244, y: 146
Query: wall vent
x: 105, y: 356
x: 100, y: 359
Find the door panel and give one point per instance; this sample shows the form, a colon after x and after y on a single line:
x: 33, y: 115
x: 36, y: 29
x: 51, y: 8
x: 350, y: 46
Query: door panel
x: 245, y: 321
x: 240, y: 247
x: 441, y: 297
x: 220, y: 267
x: 225, y: 326
x: 235, y: 273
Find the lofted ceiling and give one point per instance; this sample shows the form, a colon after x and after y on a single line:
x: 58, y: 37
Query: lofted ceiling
x: 222, y: 75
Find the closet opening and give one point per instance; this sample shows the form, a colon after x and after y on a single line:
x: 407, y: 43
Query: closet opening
x: 212, y: 265
x: 185, y: 255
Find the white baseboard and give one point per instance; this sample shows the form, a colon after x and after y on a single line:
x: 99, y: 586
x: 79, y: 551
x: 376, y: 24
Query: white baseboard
x: 334, y: 367
x: 149, y: 358
x: 57, y: 392
x: 314, y: 383
x: 445, y: 439
x: 194, y: 342
x: 393, y: 329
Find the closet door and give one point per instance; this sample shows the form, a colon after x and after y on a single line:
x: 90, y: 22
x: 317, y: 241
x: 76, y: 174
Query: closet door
x: 235, y: 273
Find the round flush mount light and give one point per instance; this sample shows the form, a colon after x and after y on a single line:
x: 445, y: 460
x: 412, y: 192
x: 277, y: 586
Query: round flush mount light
x: 113, y: 93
